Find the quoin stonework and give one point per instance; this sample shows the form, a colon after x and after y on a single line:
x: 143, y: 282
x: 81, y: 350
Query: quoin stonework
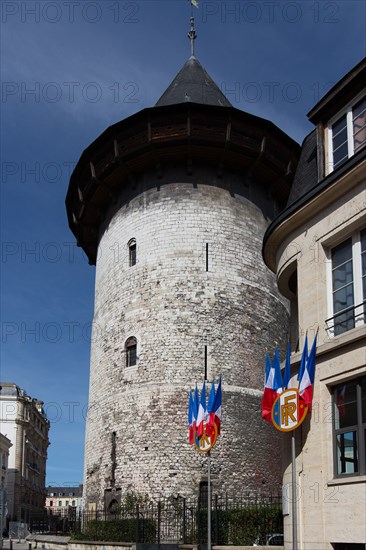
x: 172, y: 204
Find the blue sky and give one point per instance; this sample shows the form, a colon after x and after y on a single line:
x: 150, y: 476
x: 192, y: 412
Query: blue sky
x: 70, y: 69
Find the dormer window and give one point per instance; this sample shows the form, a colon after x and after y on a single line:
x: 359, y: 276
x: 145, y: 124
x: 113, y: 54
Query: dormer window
x: 347, y: 133
x: 359, y: 124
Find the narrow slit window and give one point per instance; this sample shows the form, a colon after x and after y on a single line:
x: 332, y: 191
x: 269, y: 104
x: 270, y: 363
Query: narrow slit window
x: 132, y: 252
x: 131, y: 352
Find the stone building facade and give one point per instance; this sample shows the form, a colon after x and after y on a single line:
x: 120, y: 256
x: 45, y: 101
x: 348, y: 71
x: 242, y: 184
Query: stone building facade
x: 317, y: 248
x: 5, y: 445
x: 172, y: 205
x: 25, y: 424
x: 64, y: 500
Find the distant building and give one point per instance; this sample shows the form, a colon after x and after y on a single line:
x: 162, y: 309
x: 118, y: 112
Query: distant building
x: 60, y: 500
x: 317, y: 248
x: 5, y: 445
x: 25, y: 424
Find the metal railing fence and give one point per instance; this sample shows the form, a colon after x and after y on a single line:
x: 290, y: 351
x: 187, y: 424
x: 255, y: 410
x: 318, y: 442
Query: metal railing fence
x: 238, y: 520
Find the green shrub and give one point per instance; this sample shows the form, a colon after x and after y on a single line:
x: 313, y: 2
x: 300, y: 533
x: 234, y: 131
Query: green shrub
x: 77, y: 535
x: 248, y: 524
x: 220, y: 523
x: 239, y: 527
x: 119, y: 530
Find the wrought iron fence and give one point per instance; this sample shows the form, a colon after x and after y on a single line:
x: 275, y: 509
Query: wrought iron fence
x: 239, y: 520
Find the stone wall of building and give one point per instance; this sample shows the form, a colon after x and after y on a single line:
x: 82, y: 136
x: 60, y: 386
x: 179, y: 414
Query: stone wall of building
x: 199, y: 280
x: 23, y: 420
x: 331, y: 508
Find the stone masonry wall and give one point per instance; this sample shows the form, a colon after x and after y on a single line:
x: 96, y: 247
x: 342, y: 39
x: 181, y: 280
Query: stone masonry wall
x: 174, y: 307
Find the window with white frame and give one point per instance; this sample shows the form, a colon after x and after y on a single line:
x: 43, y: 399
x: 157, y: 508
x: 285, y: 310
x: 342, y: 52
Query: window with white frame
x: 348, y: 267
x: 349, y: 428
x: 347, y: 133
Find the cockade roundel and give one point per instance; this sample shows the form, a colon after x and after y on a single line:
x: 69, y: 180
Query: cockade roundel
x: 208, y: 439
x: 289, y: 410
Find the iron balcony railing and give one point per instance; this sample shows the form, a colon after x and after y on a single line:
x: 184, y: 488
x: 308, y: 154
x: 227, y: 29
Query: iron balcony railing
x: 347, y: 319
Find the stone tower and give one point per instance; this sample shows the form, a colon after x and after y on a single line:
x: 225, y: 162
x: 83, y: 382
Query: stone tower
x: 171, y: 204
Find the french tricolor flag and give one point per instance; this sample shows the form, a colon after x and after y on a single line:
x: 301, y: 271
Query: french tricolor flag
x: 202, y: 412
x: 192, y: 414
x: 272, y: 387
x: 287, y: 372
x: 191, y: 422
x: 306, y: 383
x: 304, y: 358
x: 210, y: 418
x: 214, y: 409
x: 217, y: 407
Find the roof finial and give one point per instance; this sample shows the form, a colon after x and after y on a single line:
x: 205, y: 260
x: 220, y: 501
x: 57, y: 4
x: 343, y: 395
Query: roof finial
x: 192, y: 35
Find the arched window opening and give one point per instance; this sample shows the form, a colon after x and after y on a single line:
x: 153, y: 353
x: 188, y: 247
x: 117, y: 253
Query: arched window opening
x: 113, y: 507
x: 131, y: 352
x: 132, y: 252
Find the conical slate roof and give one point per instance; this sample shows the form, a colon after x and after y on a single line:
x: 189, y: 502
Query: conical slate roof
x: 193, y: 84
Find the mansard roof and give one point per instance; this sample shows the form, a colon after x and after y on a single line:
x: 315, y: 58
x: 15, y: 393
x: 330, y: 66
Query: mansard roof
x: 310, y: 180
x: 65, y: 491
x: 306, y: 177
x: 340, y: 94
x: 193, y: 84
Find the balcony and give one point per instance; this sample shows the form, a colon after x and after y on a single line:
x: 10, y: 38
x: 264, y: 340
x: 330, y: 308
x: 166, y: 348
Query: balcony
x: 346, y: 319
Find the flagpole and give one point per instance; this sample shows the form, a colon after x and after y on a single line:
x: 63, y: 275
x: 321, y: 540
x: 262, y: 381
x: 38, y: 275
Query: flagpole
x: 294, y: 495
x: 209, y: 501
